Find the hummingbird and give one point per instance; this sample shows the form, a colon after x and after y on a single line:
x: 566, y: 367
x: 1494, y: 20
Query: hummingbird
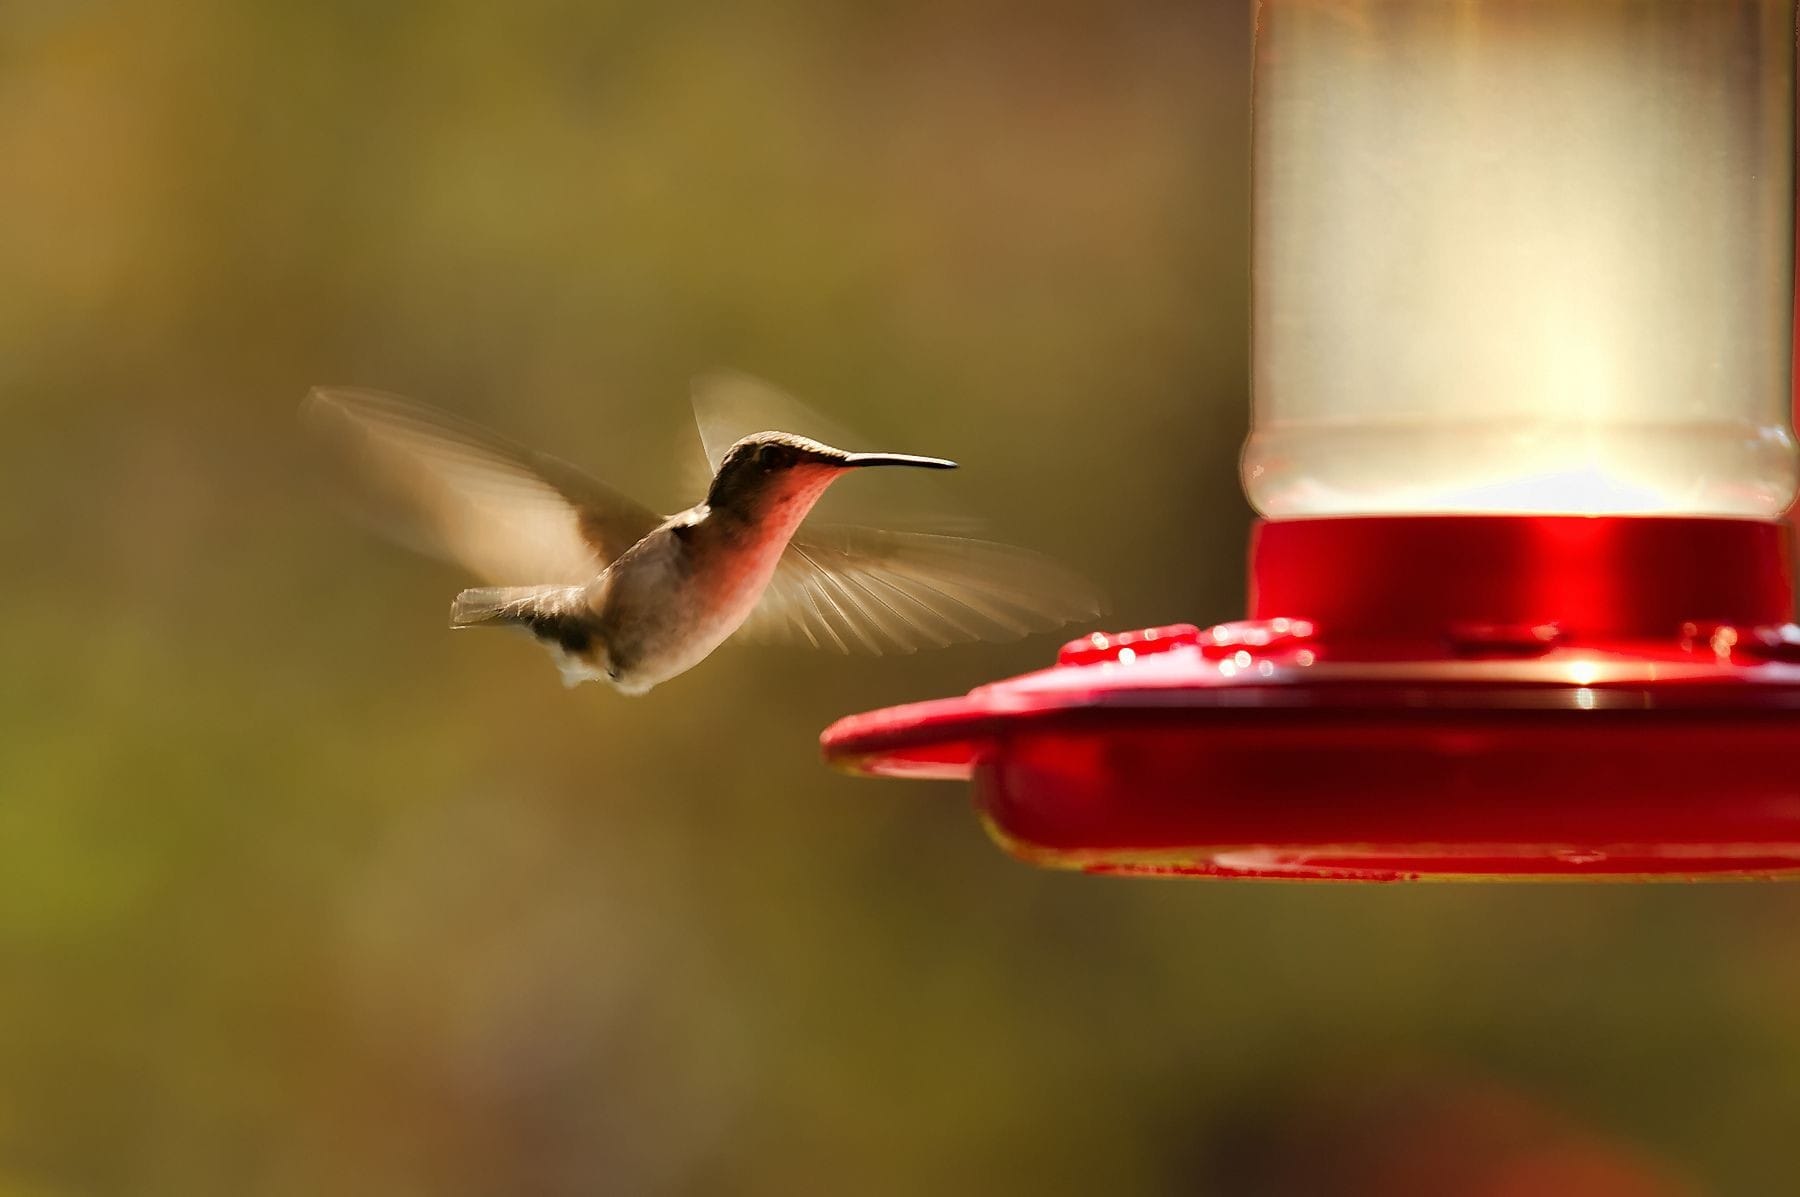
x: 620, y: 594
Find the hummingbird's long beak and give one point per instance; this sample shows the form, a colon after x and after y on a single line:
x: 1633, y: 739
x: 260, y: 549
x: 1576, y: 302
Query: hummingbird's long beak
x: 854, y: 460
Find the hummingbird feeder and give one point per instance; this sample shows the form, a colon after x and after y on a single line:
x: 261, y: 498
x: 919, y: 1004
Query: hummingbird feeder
x: 1520, y: 598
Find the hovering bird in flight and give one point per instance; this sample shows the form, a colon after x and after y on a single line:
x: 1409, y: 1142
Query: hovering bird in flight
x: 619, y: 593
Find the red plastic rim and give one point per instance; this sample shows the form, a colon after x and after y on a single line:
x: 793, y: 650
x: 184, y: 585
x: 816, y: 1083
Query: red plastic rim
x: 1548, y: 697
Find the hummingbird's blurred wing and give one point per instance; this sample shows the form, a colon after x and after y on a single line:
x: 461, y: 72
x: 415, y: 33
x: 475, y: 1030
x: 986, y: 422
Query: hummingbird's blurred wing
x: 729, y: 406
x: 451, y: 489
x: 869, y: 590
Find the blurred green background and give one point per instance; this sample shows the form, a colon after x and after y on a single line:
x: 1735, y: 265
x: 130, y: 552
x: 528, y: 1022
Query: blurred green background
x: 301, y: 895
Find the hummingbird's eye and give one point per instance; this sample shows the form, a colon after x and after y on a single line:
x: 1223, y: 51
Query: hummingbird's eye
x: 773, y: 457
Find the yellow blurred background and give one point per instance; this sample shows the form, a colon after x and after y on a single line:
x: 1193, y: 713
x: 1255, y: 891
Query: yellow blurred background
x: 299, y: 894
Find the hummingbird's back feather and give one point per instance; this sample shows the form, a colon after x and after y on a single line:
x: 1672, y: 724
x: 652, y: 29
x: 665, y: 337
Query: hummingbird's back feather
x: 451, y: 489
x: 869, y: 590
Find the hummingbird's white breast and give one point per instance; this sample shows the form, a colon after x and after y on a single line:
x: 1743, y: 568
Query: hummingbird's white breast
x: 683, y: 592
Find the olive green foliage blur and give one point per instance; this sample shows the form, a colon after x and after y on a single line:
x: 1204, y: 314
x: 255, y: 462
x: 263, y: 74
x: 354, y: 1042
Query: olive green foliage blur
x: 302, y: 894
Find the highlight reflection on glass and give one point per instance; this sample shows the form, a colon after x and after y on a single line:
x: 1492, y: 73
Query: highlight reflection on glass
x: 1515, y: 256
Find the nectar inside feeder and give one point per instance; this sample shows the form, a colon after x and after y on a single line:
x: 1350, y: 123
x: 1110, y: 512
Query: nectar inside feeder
x: 1520, y: 599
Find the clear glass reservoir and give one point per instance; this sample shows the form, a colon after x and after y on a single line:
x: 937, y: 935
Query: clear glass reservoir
x: 1523, y: 256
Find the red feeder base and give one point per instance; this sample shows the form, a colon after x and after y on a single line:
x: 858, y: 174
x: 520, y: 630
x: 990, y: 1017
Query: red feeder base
x: 1412, y: 697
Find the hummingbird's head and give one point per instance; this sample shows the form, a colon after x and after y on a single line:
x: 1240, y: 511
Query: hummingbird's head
x: 774, y: 472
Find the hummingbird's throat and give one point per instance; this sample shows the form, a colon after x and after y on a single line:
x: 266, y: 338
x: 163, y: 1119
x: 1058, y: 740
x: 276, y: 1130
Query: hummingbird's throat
x: 792, y: 499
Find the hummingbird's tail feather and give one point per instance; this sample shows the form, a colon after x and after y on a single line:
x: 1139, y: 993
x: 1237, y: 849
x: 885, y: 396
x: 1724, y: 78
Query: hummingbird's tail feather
x: 558, y: 616
x: 543, y: 609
